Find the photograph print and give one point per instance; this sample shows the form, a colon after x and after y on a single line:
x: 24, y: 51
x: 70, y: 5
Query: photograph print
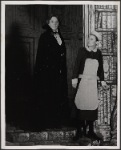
x: 60, y: 74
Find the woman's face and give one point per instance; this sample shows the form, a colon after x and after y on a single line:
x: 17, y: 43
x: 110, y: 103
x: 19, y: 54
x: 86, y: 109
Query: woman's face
x: 54, y: 23
x: 92, y: 40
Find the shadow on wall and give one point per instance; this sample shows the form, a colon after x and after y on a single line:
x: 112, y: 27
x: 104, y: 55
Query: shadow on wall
x: 17, y: 77
x: 18, y: 80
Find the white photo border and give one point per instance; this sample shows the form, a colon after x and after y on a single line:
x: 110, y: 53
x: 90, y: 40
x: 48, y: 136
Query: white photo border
x: 3, y: 4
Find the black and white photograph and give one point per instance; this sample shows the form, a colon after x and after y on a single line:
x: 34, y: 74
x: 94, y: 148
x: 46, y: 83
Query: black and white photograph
x: 60, y: 74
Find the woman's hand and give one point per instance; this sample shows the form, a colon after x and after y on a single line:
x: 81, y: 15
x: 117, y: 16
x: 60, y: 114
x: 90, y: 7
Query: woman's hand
x: 104, y: 85
x: 74, y: 85
x: 74, y: 82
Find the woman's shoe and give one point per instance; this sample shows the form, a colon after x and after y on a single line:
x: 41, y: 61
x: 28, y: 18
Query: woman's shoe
x: 93, y: 136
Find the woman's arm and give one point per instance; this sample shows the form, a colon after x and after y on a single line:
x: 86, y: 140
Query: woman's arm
x: 101, y: 72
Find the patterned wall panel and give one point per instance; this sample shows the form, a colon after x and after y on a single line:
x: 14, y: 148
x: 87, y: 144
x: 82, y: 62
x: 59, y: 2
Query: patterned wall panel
x: 109, y: 42
x: 104, y: 107
x: 105, y: 23
x: 110, y: 72
x: 104, y: 20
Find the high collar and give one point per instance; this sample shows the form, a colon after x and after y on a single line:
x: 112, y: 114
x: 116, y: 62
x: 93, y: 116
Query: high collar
x: 47, y: 28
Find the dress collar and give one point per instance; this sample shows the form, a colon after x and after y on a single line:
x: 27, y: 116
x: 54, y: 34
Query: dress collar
x: 94, y: 50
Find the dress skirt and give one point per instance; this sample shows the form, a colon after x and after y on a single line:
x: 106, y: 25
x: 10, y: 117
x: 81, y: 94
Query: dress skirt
x: 87, y: 114
x: 86, y: 99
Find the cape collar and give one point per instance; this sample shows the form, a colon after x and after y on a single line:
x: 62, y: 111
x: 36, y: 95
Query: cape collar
x: 47, y: 27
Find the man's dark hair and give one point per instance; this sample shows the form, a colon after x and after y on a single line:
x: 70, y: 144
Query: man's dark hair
x: 50, y: 16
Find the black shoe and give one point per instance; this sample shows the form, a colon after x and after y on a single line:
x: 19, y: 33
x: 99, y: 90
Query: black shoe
x: 78, y: 136
x: 93, y: 136
x: 75, y: 138
x: 84, y: 132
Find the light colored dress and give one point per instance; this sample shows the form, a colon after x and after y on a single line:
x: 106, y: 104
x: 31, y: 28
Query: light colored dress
x: 87, y: 94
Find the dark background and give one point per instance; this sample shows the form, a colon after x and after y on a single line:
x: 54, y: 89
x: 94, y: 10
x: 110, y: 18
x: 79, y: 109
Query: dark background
x: 23, y: 26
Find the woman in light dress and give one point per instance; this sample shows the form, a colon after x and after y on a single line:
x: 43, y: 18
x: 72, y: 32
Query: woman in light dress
x: 88, y: 69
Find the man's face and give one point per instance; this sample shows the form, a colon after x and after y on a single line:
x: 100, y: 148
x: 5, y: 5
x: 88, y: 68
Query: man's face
x: 53, y: 23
